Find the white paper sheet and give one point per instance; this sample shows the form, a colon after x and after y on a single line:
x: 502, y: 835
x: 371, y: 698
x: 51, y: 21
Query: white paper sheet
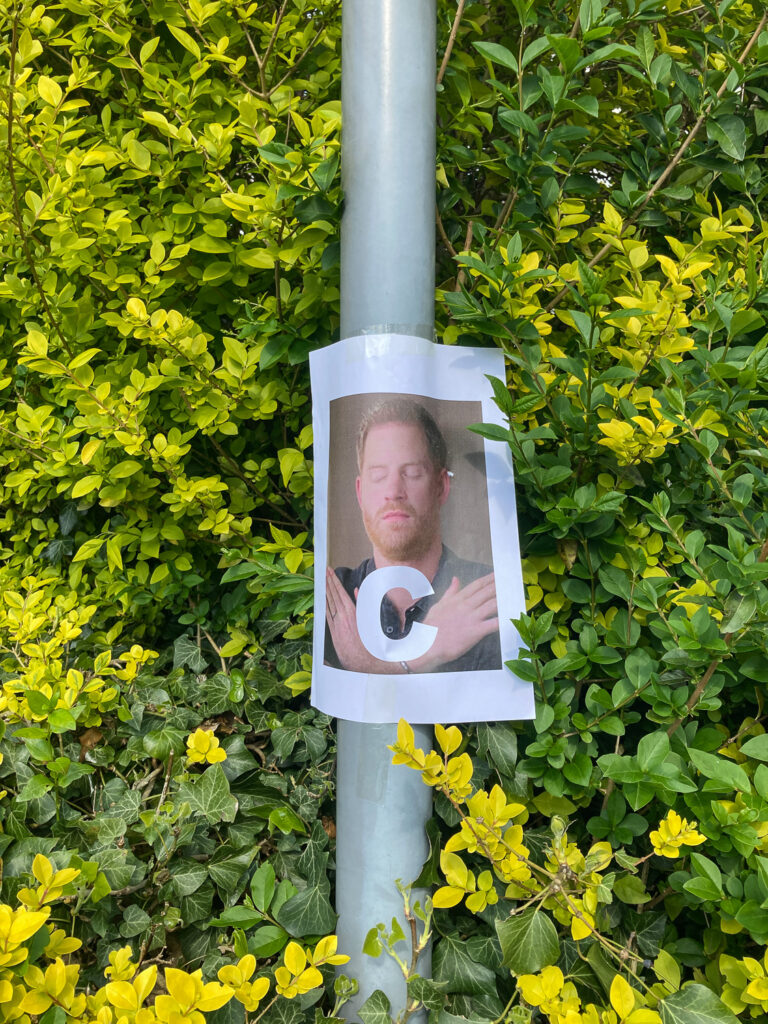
x: 476, y: 526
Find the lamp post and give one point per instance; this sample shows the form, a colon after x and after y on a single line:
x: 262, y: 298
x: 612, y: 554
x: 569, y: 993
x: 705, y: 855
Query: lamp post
x: 387, y: 286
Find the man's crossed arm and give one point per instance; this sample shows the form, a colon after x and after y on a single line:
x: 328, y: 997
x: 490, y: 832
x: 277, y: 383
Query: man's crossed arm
x: 463, y: 616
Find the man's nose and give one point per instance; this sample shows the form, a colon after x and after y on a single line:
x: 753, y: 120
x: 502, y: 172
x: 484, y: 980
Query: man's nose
x: 395, y: 486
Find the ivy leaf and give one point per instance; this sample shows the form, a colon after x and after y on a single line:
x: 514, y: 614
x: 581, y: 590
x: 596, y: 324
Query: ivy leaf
x: 528, y: 942
x: 695, y: 1004
x: 453, y: 964
x: 209, y: 795
x: 186, y: 652
x: 375, y: 1009
x: 188, y: 877
x: 499, y: 743
x: 309, y: 912
x: 135, y: 921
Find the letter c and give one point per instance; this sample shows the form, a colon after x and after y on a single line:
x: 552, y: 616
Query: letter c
x: 369, y: 598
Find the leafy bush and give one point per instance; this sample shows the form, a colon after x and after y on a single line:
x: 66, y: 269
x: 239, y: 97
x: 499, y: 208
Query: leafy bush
x: 168, y: 227
x: 169, y: 210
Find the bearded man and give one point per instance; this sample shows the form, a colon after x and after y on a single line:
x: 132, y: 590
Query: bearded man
x: 402, y: 484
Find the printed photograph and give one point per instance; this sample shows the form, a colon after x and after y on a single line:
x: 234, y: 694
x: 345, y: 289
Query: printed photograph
x: 407, y: 487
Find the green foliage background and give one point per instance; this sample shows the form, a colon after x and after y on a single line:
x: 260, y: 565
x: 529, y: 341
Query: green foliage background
x: 169, y: 209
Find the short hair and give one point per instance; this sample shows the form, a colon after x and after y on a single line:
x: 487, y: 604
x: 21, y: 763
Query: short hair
x: 404, y: 410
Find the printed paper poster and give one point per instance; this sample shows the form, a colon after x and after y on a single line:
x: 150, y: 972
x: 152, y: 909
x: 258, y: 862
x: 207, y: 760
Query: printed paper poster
x: 417, y: 557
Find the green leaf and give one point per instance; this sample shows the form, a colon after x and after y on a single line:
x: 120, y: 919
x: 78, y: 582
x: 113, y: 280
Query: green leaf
x: 135, y: 920
x: 757, y: 747
x: 263, y: 886
x: 739, y: 610
x: 286, y: 820
x: 62, y: 720
x: 730, y: 133
x: 372, y: 945
x: 139, y: 154
x: 430, y: 871
x: 188, y: 877
x: 652, y: 751
x: 34, y: 788
x: 237, y: 917
x: 721, y: 773
x: 453, y: 965
x: 187, y: 652
x: 528, y: 942
x: 630, y: 889
x: 227, y: 870
x: 185, y: 39
x: 497, y: 54
x: 309, y: 912
x: 375, y: 1009
x: 209, y: 795
x: 491, y: 430
x: 534, y: 50
x: 499, y: 743
x: 695, y: 1004
x: 267, y: 941
x: 703, y: 888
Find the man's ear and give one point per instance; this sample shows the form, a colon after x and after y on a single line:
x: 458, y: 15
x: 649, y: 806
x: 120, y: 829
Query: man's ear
x: 445, y: 486
x: 357, y: 491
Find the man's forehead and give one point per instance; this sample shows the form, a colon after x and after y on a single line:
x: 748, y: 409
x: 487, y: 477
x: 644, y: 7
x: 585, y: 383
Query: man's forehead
x: 396, y: 438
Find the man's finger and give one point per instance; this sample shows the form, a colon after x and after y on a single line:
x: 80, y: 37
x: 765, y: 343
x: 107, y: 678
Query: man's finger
x: 488, y: 607
x: 344, y: 602
x: 488, y: 626
x: 330, y: 603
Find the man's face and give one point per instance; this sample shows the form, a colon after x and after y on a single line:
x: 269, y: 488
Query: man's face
x: 400, y: 492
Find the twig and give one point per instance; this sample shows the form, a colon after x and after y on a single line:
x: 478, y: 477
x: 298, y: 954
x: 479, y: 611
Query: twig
x: 451, y: 41
x: 301, y: 56
x: 164, y: 793
x: 216, y: 648
x: 668, y: 170
x: 443, y: 237
x: 690, y: 704
x: 503, y: 217
x: 273, y: 37
x: 461, y: 276
x: 148, y: 779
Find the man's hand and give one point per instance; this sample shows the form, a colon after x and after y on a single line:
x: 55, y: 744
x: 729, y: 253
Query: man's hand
x: 463, y: 616
x: 341, y: 616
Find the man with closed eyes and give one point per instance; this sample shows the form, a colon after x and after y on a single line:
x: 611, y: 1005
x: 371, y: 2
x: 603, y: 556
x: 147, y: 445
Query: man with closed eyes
x: 402, y: 485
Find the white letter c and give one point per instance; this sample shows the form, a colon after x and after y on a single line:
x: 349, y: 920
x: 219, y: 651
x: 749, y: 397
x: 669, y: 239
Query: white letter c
x: 370, y: 595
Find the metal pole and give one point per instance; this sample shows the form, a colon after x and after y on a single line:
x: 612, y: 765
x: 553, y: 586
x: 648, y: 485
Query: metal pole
x: 387, y: 285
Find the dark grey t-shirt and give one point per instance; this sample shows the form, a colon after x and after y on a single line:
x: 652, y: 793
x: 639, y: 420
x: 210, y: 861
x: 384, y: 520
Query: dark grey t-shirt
x: 486, y: 654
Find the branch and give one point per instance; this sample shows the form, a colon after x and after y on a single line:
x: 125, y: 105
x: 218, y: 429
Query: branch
x: 451, y: 41
x: 668, y: 170
x: 441, y: 231
x: 690, y: 704
x: 301, y: 56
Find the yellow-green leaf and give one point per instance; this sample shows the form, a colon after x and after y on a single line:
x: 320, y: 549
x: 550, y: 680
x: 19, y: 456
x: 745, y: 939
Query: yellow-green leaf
x: 50, y: 91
